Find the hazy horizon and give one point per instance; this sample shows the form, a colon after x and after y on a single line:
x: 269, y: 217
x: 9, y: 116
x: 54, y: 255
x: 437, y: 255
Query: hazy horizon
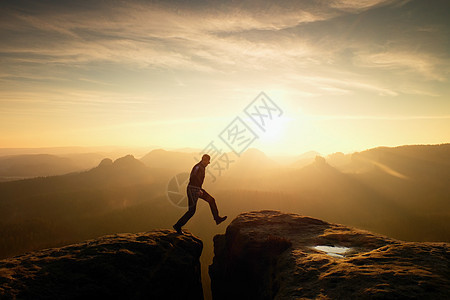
x: 140, y: 151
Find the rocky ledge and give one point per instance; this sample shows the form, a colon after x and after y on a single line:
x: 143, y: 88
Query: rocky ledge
x: 274, y: 255
x: 153, y: 265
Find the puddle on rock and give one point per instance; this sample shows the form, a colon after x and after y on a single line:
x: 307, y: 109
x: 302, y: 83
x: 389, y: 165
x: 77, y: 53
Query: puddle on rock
x: 333, y: 250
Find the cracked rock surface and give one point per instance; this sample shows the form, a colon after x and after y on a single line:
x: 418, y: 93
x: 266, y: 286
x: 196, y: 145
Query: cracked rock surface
x: 271, y: 255
x: 158, y: 264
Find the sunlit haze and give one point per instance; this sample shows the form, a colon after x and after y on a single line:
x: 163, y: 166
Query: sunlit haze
x: 348, y: 75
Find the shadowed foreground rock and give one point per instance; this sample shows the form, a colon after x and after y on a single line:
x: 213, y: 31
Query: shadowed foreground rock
x: 271, y: 255
x: 152, y: 265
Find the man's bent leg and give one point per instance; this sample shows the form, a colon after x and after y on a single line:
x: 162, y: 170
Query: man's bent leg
x: 192, y: 202
x: 212, y: 204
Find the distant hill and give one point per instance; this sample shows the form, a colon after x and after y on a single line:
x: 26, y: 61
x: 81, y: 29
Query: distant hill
x: 178, y: 161
x: 425, y: 162
x: 123, y: 171
x: 49, y: 211
x: 35, y: 165
x: 105, y: 151
x: 339, y: 159
x: 402, y: 192
x: 249, y: 164
x: 305, y: 159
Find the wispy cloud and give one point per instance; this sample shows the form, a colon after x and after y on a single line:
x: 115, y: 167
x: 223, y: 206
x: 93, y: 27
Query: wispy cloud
x: 263, y: 36
x: 429, y: 67
x: 286, y: 38
x: 361, y: 5
x: 162, y: 34
x: 347, y: 83
x: 377, y: 118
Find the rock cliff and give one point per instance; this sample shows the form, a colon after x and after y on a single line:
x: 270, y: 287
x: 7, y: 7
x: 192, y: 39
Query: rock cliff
x: 153, y: 265
x: 274, y: 255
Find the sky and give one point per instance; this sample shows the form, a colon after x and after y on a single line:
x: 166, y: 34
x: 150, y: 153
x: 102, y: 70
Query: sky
x: 345, y: 75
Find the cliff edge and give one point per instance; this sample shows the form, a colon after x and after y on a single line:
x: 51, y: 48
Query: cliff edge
x: 153, y: 265
x: 275, y: 255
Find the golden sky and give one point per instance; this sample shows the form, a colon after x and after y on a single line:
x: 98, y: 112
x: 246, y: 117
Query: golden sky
x: 347, y: 75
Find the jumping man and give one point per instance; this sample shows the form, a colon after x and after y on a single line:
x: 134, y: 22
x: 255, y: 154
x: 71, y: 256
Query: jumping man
x: 195, y: 191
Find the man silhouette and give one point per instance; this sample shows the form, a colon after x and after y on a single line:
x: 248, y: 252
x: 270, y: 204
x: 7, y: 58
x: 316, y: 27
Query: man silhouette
x: 194, y: 191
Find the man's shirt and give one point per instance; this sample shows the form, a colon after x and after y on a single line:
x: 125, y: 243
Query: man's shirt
x: 197, y: 175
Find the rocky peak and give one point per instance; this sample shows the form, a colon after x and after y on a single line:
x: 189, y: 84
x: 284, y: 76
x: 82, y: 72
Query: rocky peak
x: 105, y: 162
x: 127, y: 161
x: 153, y: 265
x: 275, y: 255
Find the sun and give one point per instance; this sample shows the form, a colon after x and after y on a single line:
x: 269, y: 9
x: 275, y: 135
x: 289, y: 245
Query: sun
x: 275, y: 130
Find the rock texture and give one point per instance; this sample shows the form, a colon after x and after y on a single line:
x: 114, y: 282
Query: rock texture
x: 152, y: 265
x: 270, y: 255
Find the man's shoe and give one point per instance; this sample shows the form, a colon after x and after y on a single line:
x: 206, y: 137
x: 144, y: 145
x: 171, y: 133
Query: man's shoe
x: 177, y: 228
x: 220, y: 220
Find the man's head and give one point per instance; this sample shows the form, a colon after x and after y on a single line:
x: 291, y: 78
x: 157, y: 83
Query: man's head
x: 205, y: 159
